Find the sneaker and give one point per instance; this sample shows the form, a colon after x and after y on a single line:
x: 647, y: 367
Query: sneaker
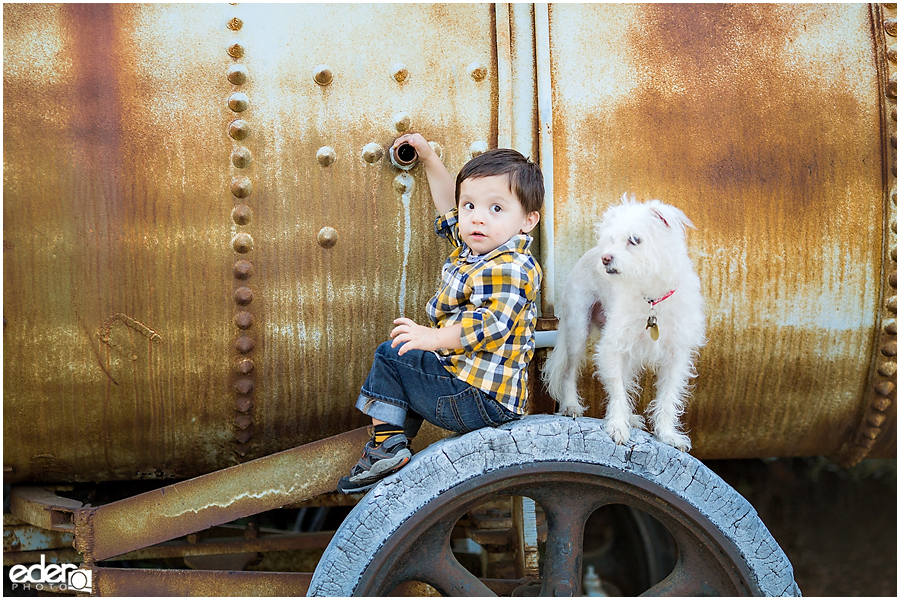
x: 377, y: 462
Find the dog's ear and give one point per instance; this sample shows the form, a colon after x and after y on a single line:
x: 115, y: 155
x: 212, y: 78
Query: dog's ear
x: 670, y: 216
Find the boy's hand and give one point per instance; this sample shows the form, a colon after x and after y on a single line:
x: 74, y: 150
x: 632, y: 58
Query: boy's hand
x: 442, y: 184
x: 423, y: 148
x: 418, y: 337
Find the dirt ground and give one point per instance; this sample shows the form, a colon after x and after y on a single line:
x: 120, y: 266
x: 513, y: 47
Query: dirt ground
x: 838, y: 527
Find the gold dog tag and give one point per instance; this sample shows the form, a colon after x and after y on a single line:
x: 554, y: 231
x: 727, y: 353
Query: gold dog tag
x: 654, y: 330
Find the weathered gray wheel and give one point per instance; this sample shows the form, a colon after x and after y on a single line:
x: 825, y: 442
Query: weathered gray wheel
x: 401, y: 530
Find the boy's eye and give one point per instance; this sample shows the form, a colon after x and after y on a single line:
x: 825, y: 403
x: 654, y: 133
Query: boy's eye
x: 634, y: 241
x: 496, y: 208
x: 468, y: 205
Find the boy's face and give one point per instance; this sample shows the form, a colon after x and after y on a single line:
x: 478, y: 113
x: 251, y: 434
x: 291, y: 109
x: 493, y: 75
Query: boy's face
x: 490, y: 213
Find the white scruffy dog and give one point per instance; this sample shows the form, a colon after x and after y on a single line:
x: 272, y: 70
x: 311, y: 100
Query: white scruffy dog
x: 639, y: 286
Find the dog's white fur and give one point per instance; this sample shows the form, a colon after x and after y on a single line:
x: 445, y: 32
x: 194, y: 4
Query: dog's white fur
x: 640, y: 255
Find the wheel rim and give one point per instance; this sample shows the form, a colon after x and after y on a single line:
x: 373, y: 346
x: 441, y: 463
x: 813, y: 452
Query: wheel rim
x: 568, y: 492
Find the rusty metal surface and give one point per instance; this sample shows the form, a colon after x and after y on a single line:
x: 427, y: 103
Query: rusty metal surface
x: 220, y: 497
x: 168, y: 308
x: 763, y: 123
x: 203, y: 243
x: 157, y: 582
x: 19, y: 536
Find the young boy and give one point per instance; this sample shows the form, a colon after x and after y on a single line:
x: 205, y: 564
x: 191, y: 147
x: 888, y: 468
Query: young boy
x: 468, y: 370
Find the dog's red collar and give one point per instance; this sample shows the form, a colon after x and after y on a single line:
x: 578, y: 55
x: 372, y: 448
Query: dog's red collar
x: 658, y: 300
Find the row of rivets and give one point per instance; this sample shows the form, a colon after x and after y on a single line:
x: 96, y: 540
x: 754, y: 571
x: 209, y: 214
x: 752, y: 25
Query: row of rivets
x: 242, y: 243
x: 323, y: 75
x: 883, y: 388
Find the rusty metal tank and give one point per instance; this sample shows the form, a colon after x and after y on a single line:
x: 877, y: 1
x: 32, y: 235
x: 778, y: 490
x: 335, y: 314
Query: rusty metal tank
x: 204, y: 239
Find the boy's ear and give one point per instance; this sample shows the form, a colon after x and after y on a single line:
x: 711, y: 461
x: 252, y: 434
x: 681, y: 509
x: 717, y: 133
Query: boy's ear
x: 531, y: 220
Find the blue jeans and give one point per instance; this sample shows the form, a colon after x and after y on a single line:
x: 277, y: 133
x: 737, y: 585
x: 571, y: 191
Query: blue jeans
x: 404, y: 390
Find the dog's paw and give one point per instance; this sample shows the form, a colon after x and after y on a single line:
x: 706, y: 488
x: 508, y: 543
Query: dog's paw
x: 570, y: 410
x: 675, y: 439
x: 618, y: 431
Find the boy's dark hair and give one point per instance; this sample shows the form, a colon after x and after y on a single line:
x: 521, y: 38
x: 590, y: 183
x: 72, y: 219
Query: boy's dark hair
x: 525, y: 178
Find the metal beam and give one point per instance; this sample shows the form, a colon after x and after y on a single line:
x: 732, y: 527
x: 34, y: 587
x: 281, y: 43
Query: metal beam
x: 158, y: 582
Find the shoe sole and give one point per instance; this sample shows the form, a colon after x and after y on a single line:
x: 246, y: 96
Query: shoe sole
x: 366, y: 481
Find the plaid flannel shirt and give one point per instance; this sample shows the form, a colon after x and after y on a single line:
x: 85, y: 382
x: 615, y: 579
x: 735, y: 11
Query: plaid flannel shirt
x: 493, y: 297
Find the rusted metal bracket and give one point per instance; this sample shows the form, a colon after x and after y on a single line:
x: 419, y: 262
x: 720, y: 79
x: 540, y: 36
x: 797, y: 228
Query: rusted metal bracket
x: 196, y: 504
x: 43, y: 509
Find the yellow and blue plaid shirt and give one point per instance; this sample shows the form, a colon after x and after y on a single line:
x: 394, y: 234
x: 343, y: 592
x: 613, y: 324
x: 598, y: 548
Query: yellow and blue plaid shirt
x: 493, y: 297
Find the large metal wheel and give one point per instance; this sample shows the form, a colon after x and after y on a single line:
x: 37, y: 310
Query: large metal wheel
x: 400, y: 531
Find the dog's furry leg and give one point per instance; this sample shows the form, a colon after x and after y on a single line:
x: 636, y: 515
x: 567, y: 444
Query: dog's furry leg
x: 668, y: 406
x: 619, y: 377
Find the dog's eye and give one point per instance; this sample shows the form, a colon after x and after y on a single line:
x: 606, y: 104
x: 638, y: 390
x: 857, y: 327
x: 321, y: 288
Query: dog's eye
x: 634, y: 241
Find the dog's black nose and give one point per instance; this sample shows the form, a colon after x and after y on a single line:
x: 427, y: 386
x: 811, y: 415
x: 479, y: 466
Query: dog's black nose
x: 606, y: 258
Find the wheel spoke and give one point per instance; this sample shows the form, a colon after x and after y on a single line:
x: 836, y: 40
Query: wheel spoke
x: 450, y: 578
x: 566, y: 517
x: 695, y: 574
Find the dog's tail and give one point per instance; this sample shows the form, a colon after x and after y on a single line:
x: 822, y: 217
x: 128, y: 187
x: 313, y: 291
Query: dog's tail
x: 560, y: 374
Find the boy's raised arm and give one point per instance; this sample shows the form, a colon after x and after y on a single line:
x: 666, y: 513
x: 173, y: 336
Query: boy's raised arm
x: 442, y: 184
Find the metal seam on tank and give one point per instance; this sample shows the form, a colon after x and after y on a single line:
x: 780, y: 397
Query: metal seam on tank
x: 882, y: 392
x: 242, y: 243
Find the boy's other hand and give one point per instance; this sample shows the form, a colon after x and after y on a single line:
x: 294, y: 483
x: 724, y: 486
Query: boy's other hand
x: 418, y: 337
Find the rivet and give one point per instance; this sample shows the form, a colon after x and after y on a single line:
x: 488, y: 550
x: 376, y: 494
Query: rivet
x: 894, y: 253
x: 243, y: 386
x: 477, y: 71
x: 236, y: 50
x: 239, y: 130
x: 892, y: 86
x: 327, y: 237
x: 894, y: 113
x: 243, y: 296
x: 242, y: 436
x: 235, y: 24
x: 326, y: 156
x: 894, y: 140
x: 437, y: 149
x: 871, y: 432
x: 241, y: 187
x: 238, y: 102
x: 477, y: 148
x: 892, y: 53
x: 243, y: 269
x: 889, y: 348
x: 243, y: 403
x: 891, y: 304
x: 890, y: 327
x: 244, y: 344
x: 401, y: 122
x: 242, y: 450
x: 242, y: 421
x: 372, y: 153
x: 887, y: 369
x: 241, y: 214
x: 399, y: 72
x: 242, y: 243
x: 894, y: 225
x: 890, y: 26
x: 894, y: 194
x: 883, y: 403
x: 404, y: 183
x: 238, y: 74
x: 323, y: 75
x: 243, y: 320
x: 892, y: 280
x: 884, y: 388
x: 877, y: 419
x: 241, y: 158
x: 244, y: 366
